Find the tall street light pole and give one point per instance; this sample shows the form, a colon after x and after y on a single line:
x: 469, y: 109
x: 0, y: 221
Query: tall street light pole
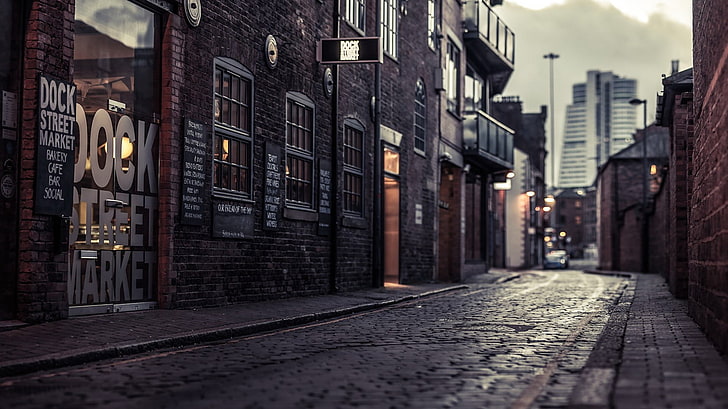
x: 643, y: 102
x: 551, y: 57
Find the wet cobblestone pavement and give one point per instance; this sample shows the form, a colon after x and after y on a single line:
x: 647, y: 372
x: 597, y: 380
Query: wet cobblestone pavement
x: 517, y: 344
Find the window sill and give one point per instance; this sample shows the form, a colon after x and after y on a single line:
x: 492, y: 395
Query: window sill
x: 225, y: 195
x: 300, y: 214
x: 454, y: 114
x: 355, y: 222
x: 353, y: 26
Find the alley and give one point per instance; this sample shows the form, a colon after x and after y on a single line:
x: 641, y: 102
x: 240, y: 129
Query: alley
x: 516, y: 344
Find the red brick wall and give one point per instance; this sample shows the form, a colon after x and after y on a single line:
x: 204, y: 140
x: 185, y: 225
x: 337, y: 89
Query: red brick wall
x: 680, y: 188
x: 620, y: 228
x: 43, y: 241
x: 708, y: 219
x: 630, y: 240
x: 608, y: 237
x: 451, y: 249
x: 290, y: 261
x: 658, y: 228
x: 418, y: 173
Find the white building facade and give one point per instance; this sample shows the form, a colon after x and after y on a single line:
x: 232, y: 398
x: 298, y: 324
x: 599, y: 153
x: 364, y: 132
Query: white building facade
x: 599, y: 122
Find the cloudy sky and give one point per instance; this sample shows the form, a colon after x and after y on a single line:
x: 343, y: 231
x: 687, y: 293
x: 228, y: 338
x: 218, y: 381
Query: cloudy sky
x: 632, y: 38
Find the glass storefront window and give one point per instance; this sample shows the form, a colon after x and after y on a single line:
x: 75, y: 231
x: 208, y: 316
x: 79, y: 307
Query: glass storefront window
x: 113, y: 225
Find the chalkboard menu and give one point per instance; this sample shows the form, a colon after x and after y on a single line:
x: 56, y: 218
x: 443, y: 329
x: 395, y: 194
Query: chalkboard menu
x: 232, y: 220
x: 273, y: 183
x: 193, y: 172
x: 56, y: 146
x: 324, y: 184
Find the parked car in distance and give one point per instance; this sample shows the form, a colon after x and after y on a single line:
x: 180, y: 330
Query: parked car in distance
x: 556, y: 259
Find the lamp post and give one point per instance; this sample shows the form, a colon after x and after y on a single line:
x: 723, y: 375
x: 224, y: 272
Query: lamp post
x: 551, y: 57
x: 643, y: 207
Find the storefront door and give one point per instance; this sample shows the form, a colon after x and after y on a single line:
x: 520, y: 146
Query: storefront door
x: 113, y: 232
x: 9, y: 12
x: 391, y: 216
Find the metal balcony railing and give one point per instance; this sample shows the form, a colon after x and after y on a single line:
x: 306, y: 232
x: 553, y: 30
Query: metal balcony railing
x: 481, y: 19
x: 488, y: 140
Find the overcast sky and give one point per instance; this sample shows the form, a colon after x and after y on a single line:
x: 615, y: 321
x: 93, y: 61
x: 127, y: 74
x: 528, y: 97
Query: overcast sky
x: 632, y: 38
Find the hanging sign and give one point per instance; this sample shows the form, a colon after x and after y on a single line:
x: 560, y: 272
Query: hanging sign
x: 357, y: 50
x: 55, y: 148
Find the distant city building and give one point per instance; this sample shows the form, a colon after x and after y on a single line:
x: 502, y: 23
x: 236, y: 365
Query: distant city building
x: 599, y: 123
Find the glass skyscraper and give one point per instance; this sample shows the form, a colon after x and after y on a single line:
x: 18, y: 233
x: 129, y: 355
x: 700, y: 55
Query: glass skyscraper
x: 599, y: 123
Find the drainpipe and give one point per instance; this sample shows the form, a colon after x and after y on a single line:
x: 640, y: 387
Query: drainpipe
x: 378, y: 228
x: 438, y: 169
x: 615, y: 230
x: 334, y: 223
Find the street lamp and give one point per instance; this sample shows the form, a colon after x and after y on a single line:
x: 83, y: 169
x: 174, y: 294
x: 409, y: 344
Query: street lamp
x: 551, y: 57
x: 643, y: 102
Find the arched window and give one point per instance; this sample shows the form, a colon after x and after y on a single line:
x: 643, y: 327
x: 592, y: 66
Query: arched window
x: 420, y: 117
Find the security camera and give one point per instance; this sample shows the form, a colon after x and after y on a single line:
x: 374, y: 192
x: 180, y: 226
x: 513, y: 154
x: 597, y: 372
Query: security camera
x: 445, y: 156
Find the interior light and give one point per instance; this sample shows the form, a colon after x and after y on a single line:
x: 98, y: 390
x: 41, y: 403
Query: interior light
x: 127, y: 148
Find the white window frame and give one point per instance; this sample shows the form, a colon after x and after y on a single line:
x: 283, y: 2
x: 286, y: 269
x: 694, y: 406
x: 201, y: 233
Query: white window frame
x: 390, y: 27
x: 226, y: 131
x: 302, y: 154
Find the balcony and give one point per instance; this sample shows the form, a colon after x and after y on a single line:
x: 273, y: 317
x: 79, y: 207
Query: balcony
x: 487, y: 142
x: 490, y: 43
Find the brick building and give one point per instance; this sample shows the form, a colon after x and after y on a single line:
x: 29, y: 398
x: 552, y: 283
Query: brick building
x: 524, y: 193
x: 626, y: 231
x: 178, y: 153
x: 675, y: 111
x: 570, y: 214
x: 707, y: 155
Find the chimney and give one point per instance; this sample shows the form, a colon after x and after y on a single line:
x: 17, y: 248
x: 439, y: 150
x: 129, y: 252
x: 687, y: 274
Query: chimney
x: 675, y: 66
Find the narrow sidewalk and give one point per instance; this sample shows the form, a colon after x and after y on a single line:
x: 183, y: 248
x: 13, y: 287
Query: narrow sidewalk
x: 91, y: 338
x: 651, y: 354
x: 667, y: 362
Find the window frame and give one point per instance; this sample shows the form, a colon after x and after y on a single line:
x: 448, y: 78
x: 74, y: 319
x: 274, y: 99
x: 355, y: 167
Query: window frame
x: 389, y: 27
x: 352, y: 170
x: 420, y: 104
x: 297, y: 153
x: 356, y: 10
x: 223, y: 130
x: 453, y: 67
x: 432, y: 24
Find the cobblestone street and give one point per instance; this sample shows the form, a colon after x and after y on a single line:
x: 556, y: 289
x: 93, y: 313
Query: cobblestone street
x: 517, y: 344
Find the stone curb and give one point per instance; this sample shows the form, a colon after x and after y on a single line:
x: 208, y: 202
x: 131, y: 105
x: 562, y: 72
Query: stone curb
x: 60, y: 360
x: 598, y: 378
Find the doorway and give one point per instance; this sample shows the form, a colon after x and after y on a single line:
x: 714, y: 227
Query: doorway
x: 391, y: 230
x: 391, y: 215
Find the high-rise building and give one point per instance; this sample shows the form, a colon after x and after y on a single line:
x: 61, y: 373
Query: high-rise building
x: 599, y: 123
